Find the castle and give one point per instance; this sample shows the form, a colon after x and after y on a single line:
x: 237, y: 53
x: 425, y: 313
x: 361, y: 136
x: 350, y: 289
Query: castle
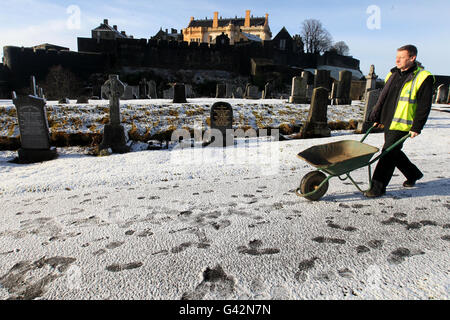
x: 243, y: 46
x: 237, y: 29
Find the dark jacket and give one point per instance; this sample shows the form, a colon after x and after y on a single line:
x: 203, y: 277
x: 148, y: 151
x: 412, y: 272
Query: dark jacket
x: 384, y: 109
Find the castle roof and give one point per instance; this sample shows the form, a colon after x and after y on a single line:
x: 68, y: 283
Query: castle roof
x: 106, y: 27
x: 240, y: 22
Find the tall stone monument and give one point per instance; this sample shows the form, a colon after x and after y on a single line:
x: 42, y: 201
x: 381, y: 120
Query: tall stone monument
x: 370, y: 101
x: 371, y: 79
x: 322, y: 79
x: 317, y: 124
x: 343, y: 88
x: 114, y: 132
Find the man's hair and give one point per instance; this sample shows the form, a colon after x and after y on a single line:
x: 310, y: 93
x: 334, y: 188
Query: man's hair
x: 412, y: 50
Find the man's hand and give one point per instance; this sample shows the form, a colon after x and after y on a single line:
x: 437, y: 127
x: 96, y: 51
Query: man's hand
x: 413, y: 134
x: 378, y: 125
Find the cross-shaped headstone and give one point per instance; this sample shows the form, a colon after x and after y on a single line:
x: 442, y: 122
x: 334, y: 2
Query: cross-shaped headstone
x: 114, y: 89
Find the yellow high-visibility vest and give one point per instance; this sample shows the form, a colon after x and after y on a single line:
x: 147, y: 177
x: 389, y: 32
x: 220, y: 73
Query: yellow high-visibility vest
x: 407, y: 103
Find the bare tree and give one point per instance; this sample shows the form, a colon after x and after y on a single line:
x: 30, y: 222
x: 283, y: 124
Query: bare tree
x: 316, y: 38
x: 341, y: 48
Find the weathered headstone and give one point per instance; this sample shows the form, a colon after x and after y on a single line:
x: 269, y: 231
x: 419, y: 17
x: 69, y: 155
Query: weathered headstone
x: 114, y: 132
x: 371, y: 79
x: 221, y: 120
x: 370, y: 101
x: 322, y: 79
x: 130, y: 92
x: 34, y: 131
x: 317, y: 124
x: 442, y: 93
x: 189, y: 91
x: 34, y: 91
x: 83, y: 99
x: 168, y: 94
x: 298, y: 94
x: 64, y: 101
x: 267, y: 91
x: 238, y: 93
x: 229, y: 90
x: 179, y: 93
x: 143, y: 89
x: 343, y: 88
x: 152, y: 89
x: 252, y: 92
x: 221, y: 90
x: 333, y: 92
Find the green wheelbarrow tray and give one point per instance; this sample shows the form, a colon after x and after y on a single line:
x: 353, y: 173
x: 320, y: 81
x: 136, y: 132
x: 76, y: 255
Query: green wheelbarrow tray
x: 337, y: 159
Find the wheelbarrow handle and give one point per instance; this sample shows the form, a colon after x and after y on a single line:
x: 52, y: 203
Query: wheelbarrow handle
x: 368, y: 131
x: 401, y: 140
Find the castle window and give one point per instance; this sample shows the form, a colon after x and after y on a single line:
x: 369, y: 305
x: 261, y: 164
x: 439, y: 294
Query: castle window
x: 283, y: 44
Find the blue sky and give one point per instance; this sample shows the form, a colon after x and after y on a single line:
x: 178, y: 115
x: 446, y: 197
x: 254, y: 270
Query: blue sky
x: 423, y: 23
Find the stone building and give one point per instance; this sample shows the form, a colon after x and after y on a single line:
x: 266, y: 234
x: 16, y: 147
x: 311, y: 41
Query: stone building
x: 107, y: 32
x: 173, y: 35
x: 237, y: 29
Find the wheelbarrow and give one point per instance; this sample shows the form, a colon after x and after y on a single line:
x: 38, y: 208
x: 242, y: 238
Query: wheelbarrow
x: 337, y: 159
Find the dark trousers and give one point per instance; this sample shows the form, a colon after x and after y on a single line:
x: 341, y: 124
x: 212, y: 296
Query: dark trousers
x: 394, y: 159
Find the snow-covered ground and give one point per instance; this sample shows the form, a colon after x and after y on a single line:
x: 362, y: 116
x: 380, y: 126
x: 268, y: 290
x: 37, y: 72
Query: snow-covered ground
x: 219, y: 223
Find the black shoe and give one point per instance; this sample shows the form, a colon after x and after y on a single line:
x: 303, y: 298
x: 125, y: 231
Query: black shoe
x: 411, y: 183
x: 377, y: 190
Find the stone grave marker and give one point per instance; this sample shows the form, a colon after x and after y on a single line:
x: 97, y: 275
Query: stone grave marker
x: 221, y: 90
x: 34, y: 130
x: 34, y: 91
x: 343, y: 88
x: 168, y: 94
x: 298, y: 93
x: 237, y: 93
x: 130, y: 92
x: 189, y: 91
x: 317, y: 124
x: 152, y: 89
x: 371, y: 79
x: 143, y: 89
x: 442, y: 93
x: 221, y: 119
x: 64, y: 101
x: 229, y: 90
x: 252, y: 92
x: 114, y: 132
x: 179, y: 93
x: 370, y: 101
x: 322, y: 79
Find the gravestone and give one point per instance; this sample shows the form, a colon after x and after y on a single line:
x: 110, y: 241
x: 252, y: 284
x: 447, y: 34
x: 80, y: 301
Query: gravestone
x: 179, y: 93
x: 143, y: 89
x: 238, y: 93
x: 152, y: 89
x: 83, y: 99
x: 221, y: 119
x: 252, y: 92
x: 168, y: 94
x: 64, y: 101
x: 189, y: 91
x: 322, y: 79
x: 343, y: 88
x: 371, y: 79
x: 442, y: 93
x: 114, y: 132
x: 370, y: 101
x: 229, y: 90
x: 309, y: 91
x: 221, y: 90
x: 333, y: 92
x: 317, y: 124
x: 130, y: 92
x: 267, y: 91
x: 34, y: 131
x: 298, y: 94
x: 34, y: 91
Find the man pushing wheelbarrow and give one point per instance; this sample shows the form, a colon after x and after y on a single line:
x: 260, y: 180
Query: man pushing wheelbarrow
x: 402, y: 109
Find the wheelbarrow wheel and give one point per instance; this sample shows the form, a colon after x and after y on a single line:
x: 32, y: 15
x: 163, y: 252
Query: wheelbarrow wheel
x: 311, y: 182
